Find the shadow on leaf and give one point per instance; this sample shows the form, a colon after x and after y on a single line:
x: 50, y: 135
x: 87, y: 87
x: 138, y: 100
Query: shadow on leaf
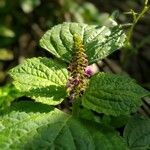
x: 52, y: 94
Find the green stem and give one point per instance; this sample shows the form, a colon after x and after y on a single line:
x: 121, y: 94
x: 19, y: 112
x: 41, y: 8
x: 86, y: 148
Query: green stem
x: 136, y: 19
x: 76, y: 107
x: 130, y: 50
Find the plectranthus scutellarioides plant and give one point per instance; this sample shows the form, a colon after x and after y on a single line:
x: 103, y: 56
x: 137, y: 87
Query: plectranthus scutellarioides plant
x: 79, y: 70
x: 49, y: 82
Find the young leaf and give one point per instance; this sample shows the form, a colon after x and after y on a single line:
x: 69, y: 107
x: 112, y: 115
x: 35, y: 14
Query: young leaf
x: 99, y: 42
x: 137, y: 133
x: 42, y: 79
x: 26, y: 128
x: 113, y: 94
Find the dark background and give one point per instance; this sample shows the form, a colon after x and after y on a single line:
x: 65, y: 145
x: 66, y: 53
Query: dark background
x: 22, y: 23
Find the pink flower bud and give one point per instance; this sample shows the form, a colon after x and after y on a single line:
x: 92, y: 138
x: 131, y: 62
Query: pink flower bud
x: 89, y: 71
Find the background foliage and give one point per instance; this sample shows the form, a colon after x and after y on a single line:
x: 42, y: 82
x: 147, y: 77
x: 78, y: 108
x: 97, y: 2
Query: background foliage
x: 23, y: 22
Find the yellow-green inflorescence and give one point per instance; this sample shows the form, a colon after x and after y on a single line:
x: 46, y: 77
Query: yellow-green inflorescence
x: 78, y: 79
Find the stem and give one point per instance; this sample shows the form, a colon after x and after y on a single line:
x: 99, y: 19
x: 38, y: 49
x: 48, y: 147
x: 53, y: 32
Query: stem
x: 136, y: 19
x: 76, y: 107
x: 130, y: 50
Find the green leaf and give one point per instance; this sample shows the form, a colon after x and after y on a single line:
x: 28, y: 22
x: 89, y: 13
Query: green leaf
x: 105, y: 138
x: 99, y: 42
x: 119, y: 121
x: 8, y: 93
x: 42, y: 79
x: 34, y: 126
x: 113, y: 94
x: 28, y: 125
x: 137, y: 133
x: 108, y: 141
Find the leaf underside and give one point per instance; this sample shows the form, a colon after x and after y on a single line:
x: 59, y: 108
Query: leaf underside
x: 99, y: 42
x: 137, y: 133
x: 113, y: 94
x: 37, y: 126
x: 42, y: 79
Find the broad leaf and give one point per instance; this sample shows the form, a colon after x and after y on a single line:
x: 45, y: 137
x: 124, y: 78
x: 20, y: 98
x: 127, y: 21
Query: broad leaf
x: 28, y: 125
x: 119, y: 121
x: 47, y: 129
x: 113, y: 94
x: 137, y: 133
x: 108, y: 141
x: 42, y: 79
x: 98, y: 42
x: 105, y: 138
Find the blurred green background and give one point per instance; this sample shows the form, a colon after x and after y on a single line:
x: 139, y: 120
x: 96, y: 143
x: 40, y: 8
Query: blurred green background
x: 23, y: 22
